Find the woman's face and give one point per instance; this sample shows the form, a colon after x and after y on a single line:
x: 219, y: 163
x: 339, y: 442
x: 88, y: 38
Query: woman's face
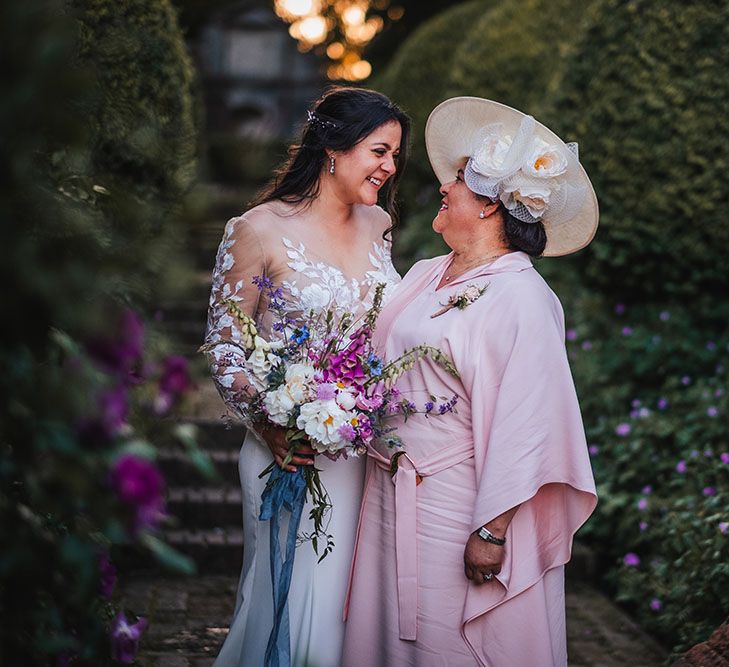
x: 360, y: 172
x: 459, y: 212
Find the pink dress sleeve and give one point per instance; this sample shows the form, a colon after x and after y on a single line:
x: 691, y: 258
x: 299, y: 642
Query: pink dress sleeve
x: 529, y: 442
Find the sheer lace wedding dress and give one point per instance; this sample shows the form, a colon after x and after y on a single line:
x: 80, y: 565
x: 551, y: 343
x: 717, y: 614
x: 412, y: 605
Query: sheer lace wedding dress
x: 295, y: 256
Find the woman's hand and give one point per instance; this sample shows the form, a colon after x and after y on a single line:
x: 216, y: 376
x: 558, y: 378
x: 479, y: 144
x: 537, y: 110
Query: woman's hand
x: 275, y: 438
x: 482, y: 558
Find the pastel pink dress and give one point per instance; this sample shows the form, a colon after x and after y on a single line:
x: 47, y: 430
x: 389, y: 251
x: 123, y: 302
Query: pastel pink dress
x: 517, y: 438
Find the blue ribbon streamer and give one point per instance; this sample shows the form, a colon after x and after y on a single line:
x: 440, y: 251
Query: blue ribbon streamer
x: 284, y: 490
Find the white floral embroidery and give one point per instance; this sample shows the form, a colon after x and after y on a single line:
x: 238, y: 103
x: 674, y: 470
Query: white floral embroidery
x: 314, y: 286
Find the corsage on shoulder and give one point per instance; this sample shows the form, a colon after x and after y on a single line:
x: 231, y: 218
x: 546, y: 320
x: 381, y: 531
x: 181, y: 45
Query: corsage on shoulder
x: 460, y: 301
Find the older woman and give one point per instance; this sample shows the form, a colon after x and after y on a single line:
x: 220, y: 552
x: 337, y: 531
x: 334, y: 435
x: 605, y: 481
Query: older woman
x: 460, y: 553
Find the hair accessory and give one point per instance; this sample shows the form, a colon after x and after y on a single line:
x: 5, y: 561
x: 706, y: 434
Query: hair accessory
x: 331, y: 164
x: 513, y: 159
x: 486, y: 534
x: 487, y: 576
x: 321, y: 121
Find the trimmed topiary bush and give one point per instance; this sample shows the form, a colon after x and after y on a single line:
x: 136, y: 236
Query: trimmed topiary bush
x: 646, y: 95
x: 418, y: 80
x: 85, y: 398
x: 142, y: 116
x: 515, y: 54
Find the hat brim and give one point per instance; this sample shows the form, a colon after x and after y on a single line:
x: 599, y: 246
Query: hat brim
x: 449, y: 135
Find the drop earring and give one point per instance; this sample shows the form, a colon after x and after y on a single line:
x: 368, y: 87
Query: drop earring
x: 331, y: 164
x: 482, y: 215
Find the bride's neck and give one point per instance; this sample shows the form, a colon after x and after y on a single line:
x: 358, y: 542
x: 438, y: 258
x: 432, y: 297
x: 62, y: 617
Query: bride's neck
x: 329, y: 210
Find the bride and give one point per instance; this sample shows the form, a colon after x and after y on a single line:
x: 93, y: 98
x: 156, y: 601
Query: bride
x: 317, y: 232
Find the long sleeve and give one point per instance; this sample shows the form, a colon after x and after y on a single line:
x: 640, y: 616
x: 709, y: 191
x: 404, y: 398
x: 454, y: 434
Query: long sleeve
x: 529, y: 444
x: 240, y: 257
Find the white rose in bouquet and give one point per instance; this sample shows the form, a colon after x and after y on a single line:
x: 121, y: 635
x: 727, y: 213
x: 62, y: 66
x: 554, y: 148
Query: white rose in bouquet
x: 300, y: 382
x: 346, y: 399
x: 321, y: 420
x: 279, y: 405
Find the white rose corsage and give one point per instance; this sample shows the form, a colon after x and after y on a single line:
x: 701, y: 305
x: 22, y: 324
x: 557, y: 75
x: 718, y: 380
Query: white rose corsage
x: 462, y: 300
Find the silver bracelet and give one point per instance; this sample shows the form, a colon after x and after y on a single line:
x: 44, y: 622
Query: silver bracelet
x: 486, y: 534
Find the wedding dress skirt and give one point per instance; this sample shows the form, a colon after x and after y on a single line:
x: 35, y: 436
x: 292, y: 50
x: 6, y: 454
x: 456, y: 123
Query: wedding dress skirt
x: 316, y: 596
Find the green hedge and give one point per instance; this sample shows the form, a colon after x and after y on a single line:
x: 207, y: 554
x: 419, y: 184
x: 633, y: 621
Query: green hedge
x: 143, y: 112
x: 515, y: 54
x: 81, y: 381
x: 418, y: 79
x: 646, y: 95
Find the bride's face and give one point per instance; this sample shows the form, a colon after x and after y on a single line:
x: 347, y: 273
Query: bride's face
x: 360, y: 172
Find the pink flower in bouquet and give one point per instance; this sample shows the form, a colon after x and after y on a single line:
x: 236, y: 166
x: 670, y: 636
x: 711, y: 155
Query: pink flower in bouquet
x: 345, y: 366
x: 125, y: 638
x: 364, y: 428
x: 370, y: 403
x: 139, y: 484
x: 326, y: 391
x: 347, y: 432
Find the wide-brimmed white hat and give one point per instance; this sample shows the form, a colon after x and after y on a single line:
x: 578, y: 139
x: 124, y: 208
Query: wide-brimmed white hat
x: 514, y: 158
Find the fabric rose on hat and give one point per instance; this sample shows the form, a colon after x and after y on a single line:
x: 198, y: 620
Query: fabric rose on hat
x: 533, y: 196
x: 489, y: 157
x: 544, y: 160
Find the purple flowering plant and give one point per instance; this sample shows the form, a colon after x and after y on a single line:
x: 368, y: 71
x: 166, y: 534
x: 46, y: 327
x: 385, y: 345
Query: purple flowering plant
x: 654, y: 405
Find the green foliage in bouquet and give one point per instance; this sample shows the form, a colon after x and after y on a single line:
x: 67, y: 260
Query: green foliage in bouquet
x: 645, y: 94
x: 84, y: 400
x: 652, y: 387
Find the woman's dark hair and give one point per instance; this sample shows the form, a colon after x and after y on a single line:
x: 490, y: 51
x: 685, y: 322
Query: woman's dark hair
x: 529, y: 237
x: 341, y: 118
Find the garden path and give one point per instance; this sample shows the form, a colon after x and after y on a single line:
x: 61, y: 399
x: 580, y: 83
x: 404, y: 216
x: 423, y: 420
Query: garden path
x: 189, y: 615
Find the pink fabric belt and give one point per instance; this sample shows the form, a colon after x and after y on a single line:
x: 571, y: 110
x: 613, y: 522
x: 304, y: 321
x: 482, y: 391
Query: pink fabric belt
x: 405, y: 481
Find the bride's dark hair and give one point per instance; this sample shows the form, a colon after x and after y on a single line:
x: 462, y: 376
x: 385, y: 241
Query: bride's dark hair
x: 341, y: 118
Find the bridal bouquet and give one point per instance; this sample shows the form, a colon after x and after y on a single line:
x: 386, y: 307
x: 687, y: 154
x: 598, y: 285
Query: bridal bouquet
x: 318, y: 377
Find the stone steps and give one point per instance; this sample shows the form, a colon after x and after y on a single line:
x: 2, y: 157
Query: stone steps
x: 214, y: 550
x: 175, y: 464
x: 206, y: 507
